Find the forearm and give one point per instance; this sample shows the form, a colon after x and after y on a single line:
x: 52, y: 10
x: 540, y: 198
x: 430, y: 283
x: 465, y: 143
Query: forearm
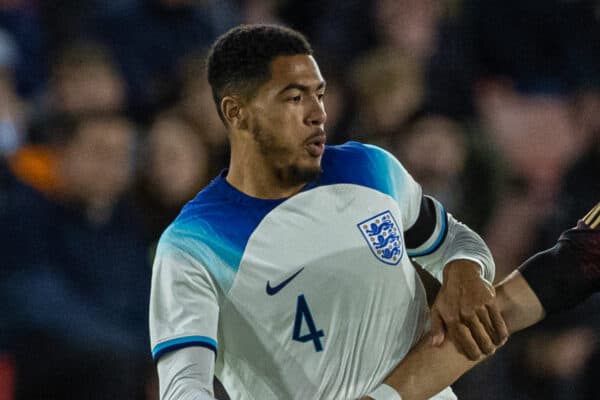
x: 428, y: 369
x: 186, y: 374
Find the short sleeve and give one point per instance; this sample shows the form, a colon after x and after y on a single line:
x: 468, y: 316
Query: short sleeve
x: 183, y: 302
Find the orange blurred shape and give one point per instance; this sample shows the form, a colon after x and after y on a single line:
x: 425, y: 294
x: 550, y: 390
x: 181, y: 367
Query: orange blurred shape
x: 35, y: 165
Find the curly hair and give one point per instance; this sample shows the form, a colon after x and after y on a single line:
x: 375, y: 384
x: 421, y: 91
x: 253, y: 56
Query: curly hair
x: 239, y: 62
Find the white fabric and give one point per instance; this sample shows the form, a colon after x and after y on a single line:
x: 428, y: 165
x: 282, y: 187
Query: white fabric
x: 385, y: 392
x: 379, y: 311
x: 186, y: 374
x: 461, y: 243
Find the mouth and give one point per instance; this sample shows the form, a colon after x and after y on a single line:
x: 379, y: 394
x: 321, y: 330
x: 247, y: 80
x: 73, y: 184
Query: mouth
x: 315, y: 145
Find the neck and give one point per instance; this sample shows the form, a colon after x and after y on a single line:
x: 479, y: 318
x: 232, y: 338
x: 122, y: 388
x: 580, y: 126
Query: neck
x: 250, y: 174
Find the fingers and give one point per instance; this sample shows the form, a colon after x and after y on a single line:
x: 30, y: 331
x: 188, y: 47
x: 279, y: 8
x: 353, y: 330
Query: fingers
x: 495, y: 329
x: 437, y: 328
x: 486, y: 322
x: 478, y: 334
x: 481, y: 336
x: 464, y: 340
x: 498, y: 323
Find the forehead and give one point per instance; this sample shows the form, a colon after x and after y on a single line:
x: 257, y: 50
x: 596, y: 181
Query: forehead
x: 300, y: 68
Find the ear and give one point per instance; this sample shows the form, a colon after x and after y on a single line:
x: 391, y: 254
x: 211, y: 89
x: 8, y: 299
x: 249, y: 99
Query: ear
x: 233, y: 109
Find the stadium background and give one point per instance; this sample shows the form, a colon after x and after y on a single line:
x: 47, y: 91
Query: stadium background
x: 494, y: 106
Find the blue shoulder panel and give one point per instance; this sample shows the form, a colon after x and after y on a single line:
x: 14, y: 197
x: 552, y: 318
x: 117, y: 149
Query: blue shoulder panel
x: 364, y: 165
x: 215, y: 226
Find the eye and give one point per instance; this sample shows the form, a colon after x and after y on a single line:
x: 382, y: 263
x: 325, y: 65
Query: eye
x: 296, y: 99
x: 321, y: 96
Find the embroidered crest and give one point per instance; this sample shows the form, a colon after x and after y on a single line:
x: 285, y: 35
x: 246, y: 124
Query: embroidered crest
x: 383, y: 235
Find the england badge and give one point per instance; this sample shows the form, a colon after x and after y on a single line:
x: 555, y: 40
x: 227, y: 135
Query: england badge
x: 382, y: 234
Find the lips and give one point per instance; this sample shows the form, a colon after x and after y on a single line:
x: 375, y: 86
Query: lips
x: 315, y: 145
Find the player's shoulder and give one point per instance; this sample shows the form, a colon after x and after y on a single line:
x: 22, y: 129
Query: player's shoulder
x: 359, y: 163
x: 218, y: 222
x: 355, y: 152
x: 199, y: 217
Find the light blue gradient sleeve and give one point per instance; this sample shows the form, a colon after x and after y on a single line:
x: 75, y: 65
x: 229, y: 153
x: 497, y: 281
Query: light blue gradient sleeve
x: 374, y: 167
x: 193, y: 267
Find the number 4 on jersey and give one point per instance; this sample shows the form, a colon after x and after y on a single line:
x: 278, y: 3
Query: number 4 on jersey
x: 303, y: 313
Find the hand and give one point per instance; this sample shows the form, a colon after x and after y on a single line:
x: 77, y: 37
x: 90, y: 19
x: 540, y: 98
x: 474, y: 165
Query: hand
x: 465, y: 308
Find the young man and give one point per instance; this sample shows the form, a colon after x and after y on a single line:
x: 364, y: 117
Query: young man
x: 290, y: 275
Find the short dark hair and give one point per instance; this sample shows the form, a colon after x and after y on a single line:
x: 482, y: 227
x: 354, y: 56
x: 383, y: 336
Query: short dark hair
x: 239, y: 62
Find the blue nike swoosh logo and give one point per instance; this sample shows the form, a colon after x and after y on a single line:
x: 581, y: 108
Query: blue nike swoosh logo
x: 271, y: 290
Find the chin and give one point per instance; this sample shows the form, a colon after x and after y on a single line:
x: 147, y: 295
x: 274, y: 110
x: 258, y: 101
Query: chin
x: 295, y: 174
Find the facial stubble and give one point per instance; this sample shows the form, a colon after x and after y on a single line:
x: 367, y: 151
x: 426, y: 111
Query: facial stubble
x: 279, y: 156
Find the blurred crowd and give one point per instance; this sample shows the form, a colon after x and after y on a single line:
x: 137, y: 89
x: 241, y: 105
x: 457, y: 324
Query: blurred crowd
x: 107, y: 127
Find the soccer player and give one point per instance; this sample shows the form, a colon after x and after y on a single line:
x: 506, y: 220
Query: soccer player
x: 290, y: 275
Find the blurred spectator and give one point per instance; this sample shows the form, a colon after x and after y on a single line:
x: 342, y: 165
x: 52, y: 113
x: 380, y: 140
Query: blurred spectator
x: 409, y: 26
x: 580, y: 186
x: 438, y: 175
x: 537, y: 140
x: 21, y: 20
x: 150, y: 37
x: 339, y: 30
x: 78, y: 280
x: 261, y: 11
x: 68, y: 21
x: 543, y: 46
x: 176, y: 163
x: 85, y: 78
x: 388, y: 88
x: 452, y: 164
x: 197, y: 105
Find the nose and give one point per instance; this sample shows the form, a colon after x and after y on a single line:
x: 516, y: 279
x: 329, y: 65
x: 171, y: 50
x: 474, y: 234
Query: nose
x: 317, y: 115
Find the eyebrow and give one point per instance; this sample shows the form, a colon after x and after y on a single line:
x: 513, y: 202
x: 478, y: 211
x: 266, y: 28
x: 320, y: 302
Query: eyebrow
x: 302, y: 88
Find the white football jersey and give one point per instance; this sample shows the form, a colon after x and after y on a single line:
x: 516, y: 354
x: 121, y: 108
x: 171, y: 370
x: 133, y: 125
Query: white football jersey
x: 309, y: 297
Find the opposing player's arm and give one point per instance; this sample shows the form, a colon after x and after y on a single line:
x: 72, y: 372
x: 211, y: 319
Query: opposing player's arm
x: 427, y: 370
x: 548, y: 282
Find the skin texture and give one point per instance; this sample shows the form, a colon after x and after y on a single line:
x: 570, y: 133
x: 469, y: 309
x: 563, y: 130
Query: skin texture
x: 428, y: 369
x: 465, y: 310
x: 278, y: 135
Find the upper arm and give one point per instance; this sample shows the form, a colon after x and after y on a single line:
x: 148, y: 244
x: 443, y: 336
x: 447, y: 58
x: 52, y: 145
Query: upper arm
x: 424, y: 219
x: 429, y: 230
x: 183, y: 303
